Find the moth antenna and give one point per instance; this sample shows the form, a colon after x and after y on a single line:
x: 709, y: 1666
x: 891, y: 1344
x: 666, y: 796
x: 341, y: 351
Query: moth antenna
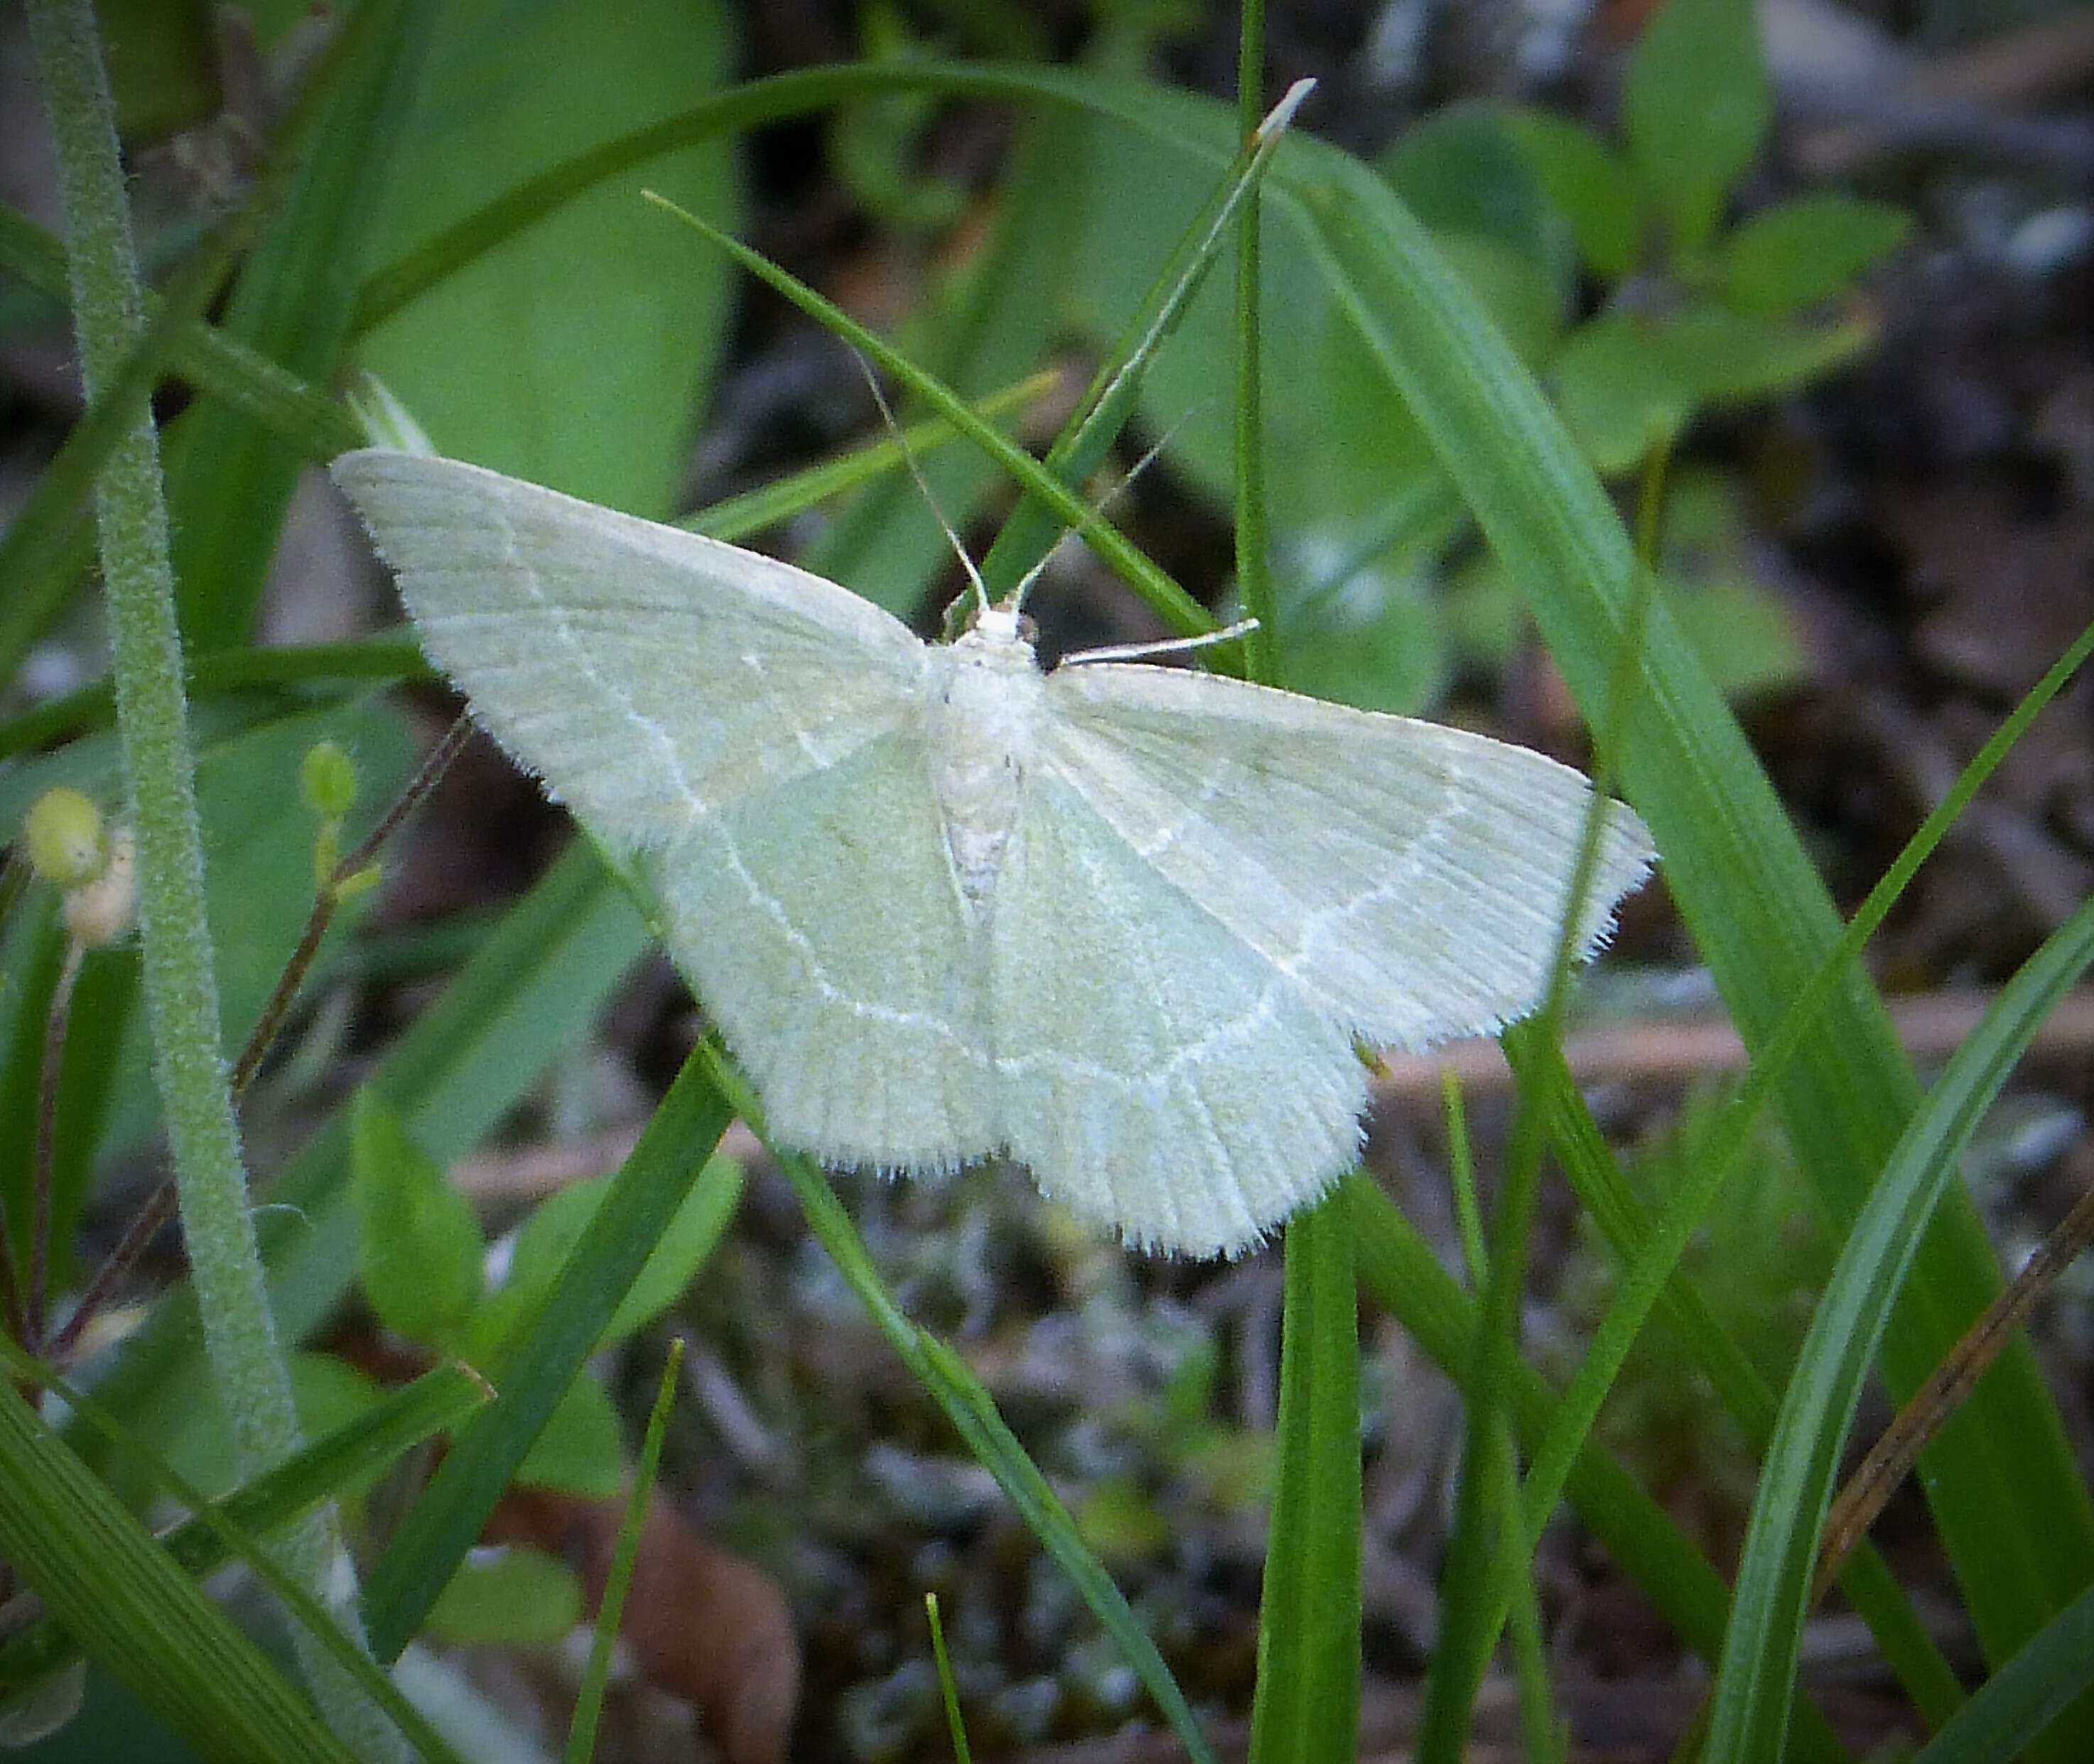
x: 1099, y: 508
x: 1134, y: 652
x: 923, y: 484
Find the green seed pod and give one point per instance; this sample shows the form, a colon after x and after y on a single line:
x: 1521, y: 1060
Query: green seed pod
x: 327, y: 780
x: 65, y: 839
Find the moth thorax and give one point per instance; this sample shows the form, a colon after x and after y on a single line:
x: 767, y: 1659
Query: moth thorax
x: 989, y: 693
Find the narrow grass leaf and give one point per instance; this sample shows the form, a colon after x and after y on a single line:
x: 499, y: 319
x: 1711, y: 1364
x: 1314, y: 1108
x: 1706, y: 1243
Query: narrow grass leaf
x: 1756, y: 1678
x: 341, y: 1462
x: 99, y: 1572
x: 1307, y: 1707
x: 544, y: 1356
x: 952, y: 1384
x: 1399, y: 1271
x: 625, y: 1554
x: 233, y: 1540
x: 1586, y: 1159
x: 2019, y: 1701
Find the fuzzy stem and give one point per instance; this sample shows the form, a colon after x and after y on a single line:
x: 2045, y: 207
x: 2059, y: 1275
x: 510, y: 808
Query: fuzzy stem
x: 251, y: 1375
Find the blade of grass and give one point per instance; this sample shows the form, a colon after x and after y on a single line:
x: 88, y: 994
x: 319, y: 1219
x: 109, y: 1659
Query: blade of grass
x: 541, y: 1358
x: 2018, y: 1704
x: 1540, y: 1731
x: 1172, y: 603
x: 588, y: 1698
x: 1399, y: 1271
x: 534, y: 984
x: 1756, y: 1678
x: 1648, y: 1273
x: 2013, y: 1514
x: 1108, y: 403
x: 338, y: 1464
x: 99, y: 1572
x: 952, y: 1384
x: 232, y: 1540
x: 738, y: 516
x: 1478, y: 1584
x: 1306, y: 1707
x: 204, y: 355
x: 1582, y: 1153
x: 948, y: 1690
x: 229, y: 478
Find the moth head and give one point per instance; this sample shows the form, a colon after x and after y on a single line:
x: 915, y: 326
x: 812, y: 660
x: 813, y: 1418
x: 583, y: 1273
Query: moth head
x: 1004, y: 623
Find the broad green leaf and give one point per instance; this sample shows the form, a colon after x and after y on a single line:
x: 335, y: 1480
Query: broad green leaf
x: 581, y: 1449
x: 1464, y: 169
x: 1734, y: 358
x: 1799, y: 252
x: 510, y: 1595
x: 1590, y: 186
x: 1744, y: 633
x: 1375, y: 640
x: 1697, y: 106
x: 419, y: 1247
x: 576, y: 355
x: 1624, y: 389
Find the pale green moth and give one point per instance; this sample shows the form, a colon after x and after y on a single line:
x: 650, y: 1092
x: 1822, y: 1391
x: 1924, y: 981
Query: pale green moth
x: 1120, y: 922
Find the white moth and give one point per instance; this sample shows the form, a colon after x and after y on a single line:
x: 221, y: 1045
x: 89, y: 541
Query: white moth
x: 1122, y: 923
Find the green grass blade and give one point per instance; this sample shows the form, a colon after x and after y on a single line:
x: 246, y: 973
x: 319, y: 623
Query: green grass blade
x: 1308, y: 1702
x: 229, y: 478
x: 1586, y: 1159
x: 206, y: 357
x: 2020, y: 1700
x: 344, y: 1460
x: 588, y: 1698
x: 1399, y: 1271
x: 738, y: 516
x: 99, y: 1572
x: 2012, y: 1512
x: 1649, y: 1269
x: 1756, y: 1676
x: 541, y: 1361
x: 1172, y: 604
x: 228, y: 1539
x: 952, y: 1385
x: 1109, y: 403
x: 535, y: 983
x: 948, y: 1690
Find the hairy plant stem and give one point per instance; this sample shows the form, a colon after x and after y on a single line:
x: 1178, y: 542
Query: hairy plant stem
x: 250, y: 1374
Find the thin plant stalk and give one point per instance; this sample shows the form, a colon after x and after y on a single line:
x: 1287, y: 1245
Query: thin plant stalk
x: 251, y: 1374
x: 42, y: 1171
x: 160, y: 1205
x: 1889, y: 1460
x: 1481, y: 1585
